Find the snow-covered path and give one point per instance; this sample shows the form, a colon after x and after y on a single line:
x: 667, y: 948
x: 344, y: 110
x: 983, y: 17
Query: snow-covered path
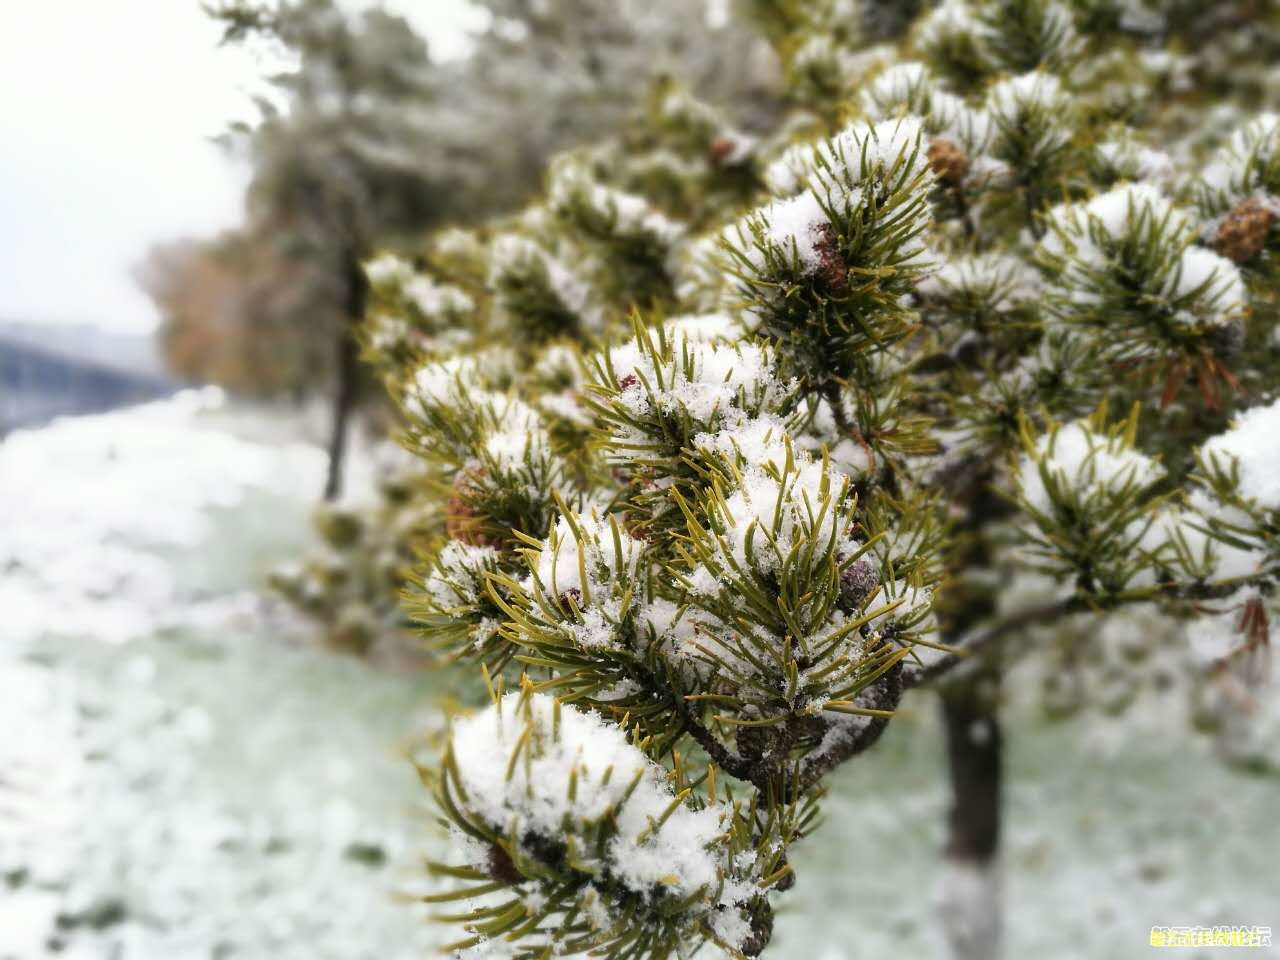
x: 184, y: 777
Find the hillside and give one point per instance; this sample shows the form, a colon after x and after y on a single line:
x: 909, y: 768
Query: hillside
x: 50, y: 371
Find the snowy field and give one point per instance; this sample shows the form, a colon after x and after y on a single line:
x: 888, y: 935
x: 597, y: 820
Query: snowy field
x: 181, y: 774
x: 184, y: 777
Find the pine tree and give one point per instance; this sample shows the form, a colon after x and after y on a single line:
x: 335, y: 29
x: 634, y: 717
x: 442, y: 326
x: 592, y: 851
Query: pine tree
x: 734, y: 442
x: 338, y: 166
x: 350, y: 587
x: 365, y: 141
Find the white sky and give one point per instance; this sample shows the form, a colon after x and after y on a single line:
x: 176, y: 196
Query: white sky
x: 106, y: 110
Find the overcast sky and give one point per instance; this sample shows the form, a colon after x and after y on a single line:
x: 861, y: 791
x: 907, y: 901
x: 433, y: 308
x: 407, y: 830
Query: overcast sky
x: 106, y: 110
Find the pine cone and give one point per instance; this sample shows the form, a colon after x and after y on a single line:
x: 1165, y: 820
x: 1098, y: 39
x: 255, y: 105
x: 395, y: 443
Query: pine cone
x: 856, y: 583
x: 638, y: 528
x: 761, y: 919
x: 458, y: 515
x: 462, y: 521
x: 720, y: 149
x: 1244, y: 230
x: 501, y: 867
x: 948, y: 160
x: 832, y: 270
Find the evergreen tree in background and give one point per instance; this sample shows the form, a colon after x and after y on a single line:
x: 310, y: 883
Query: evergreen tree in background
x: 365, y: 142
x: 546, y: 76
x: 727, y: 443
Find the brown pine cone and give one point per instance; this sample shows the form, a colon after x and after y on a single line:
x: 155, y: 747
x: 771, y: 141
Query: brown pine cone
x: 948, y: 160
x: 462, y: 522
x: 457, y: 516
x: 1244, y: 230
x: 571, y: 598
x: 832, y: 270
x: 856, y: 583
x: 501, y: 867
x: 720, y: 149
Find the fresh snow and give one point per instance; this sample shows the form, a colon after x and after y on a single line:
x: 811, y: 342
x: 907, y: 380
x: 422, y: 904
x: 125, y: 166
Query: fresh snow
x: 896, y: 145
x: 557, y: 742
x: 1233, y: 173
x: 1253, y: 445
x: 437, y: 300
x: 457, y: 574
x: 1083, y: 461
x: 794, y: 227
x: 629, y: 214
x: 178, y: 784
x: 712, y: 383
x: 565, y: 555
x: 143, y: 750
x: 1010, y: 101
x: 1131, y: 160
x: 998, y: 280
x: 1219, y: 291
x: 843, y: 174
x: 767, y: 514
x: 903, y: 86
x: 704, y: 327
x: 788, y: 174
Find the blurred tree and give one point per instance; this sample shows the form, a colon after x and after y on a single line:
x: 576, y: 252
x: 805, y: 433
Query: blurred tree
x: 341, y: 164
x: 714, y: 487
x: 232, y: 316
x: 366, y: 143
x: 545, y: 76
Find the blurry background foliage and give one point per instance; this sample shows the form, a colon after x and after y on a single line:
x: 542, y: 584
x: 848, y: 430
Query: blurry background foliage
x: 364, y: 142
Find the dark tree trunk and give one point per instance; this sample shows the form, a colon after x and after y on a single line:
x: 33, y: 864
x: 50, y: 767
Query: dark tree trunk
x: 974, y: 762
x: 885, y: 19
x: 969, y: 903
x: 346, y: 376
x: 970, y: 898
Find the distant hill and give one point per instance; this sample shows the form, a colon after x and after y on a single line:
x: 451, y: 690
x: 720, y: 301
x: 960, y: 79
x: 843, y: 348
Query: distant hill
x: 46, y: 372
x: 125, y: 353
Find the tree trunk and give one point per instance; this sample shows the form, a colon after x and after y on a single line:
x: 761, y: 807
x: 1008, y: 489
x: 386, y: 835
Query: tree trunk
x: 970, y: 898
x: 347, y: 376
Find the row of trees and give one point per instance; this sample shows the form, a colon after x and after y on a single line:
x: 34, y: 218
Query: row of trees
x: 725, y: 443
x: 732, y: 443
x: 364, y: 142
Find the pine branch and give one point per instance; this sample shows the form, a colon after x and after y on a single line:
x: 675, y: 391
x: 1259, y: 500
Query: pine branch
x: 977, y: 642
x: 885, y: 695
x: 729, y: 761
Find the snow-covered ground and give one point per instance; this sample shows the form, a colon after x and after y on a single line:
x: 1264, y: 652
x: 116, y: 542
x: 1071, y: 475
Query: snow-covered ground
x: 181, y: 774
x: 1104, y: 840
x: 184, y: 777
